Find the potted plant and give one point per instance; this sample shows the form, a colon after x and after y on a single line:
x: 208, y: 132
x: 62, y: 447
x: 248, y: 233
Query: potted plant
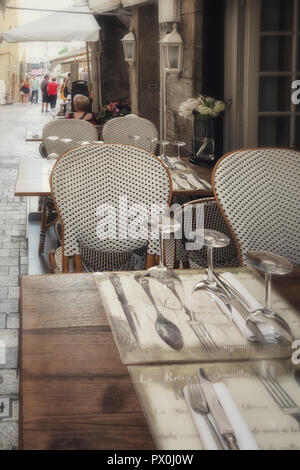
x: 202, y: 110
x: 114, y: 109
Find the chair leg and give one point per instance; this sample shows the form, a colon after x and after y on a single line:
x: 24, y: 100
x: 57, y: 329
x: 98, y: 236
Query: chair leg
x: 150, y: 261
x: 78, y: 264
x: 43, y: 230
x: 66, y: 265
x: 52, y: 262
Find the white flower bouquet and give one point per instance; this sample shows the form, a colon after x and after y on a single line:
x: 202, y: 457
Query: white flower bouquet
x: 203, y: 107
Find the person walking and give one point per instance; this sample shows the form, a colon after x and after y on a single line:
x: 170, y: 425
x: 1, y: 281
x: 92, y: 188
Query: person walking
x: 35, y: 91
x: 26, y: 90
x: 22, y: 91
x: 45, y: 97
x: 52, y: 92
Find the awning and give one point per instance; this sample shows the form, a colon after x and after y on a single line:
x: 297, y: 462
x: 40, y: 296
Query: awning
x: 102, y: 6
x: 69, y: 57
x: 105, y: 6
x: 59, y: 27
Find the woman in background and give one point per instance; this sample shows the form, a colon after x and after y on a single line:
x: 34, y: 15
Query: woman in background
x: 22, y: 91
x: 82, y: 107
x: 26, y: 90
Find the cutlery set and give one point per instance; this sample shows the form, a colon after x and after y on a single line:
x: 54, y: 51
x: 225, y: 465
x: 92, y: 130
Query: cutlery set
x: 280, y: 396
x: 205, y: 401
x: 170, y: 333
x: 201, y: 394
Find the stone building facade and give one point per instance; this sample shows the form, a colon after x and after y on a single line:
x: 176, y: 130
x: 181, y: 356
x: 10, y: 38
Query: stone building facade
x: 242, y: 51
x: 9, y: 61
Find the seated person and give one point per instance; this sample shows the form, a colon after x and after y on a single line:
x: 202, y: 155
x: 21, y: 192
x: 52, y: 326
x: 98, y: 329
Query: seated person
x: 82, y: 106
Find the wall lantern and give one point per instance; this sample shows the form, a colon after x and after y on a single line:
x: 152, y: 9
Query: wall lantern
x: 172, y: 47
x: 129, y: 46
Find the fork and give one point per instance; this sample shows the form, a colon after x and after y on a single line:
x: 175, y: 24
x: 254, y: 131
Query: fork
x: 204, y: 336
x: 199, y: 405
x: 281, y: 397
x: 180, y: 187
x: 185, y: 178
x: 199, y: 329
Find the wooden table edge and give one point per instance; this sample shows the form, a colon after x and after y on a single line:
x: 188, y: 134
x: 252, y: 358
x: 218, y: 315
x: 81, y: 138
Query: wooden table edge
x: 29, y: 194
x: 20, y: 368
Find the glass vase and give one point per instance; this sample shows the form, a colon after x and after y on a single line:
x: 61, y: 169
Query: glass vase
x: 203, y: 140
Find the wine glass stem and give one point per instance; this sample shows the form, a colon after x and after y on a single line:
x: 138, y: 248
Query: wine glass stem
x: 161, y: 250
x: 210, y: 263
x: 268, y: 303
x: 178, y: 155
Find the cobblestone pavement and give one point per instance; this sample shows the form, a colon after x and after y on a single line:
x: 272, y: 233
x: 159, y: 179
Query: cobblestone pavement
x: 13, y: 255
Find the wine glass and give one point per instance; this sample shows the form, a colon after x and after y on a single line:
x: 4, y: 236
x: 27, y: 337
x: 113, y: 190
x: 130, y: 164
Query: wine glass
x: 153, y: 143
x: 134, y: 139
x: 53, y: 156
x: 163, y: 144
x: 269, y: 264
x: 164, y: 289
x: 179, y: 145
x: 52, y: 138
x: 211, y: 240
x: 83, y: 142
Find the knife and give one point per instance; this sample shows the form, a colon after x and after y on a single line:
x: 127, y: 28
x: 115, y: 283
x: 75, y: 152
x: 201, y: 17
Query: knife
x: 217, y: 411
x: 124, y: 304
x: 241, y: 305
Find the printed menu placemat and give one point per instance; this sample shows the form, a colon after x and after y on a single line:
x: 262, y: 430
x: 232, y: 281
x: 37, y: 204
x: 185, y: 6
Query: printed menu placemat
x: 160, y: 391
x: 143, y: 336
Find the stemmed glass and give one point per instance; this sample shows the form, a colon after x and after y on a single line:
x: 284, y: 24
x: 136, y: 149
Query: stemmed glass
x: 211, y: 240
x: 164, y: 144
x: 134, y: 139
x: 83, y: 142
x: 164, y: 289
x: 179, y: 145
x: 153, y: 143
x: 269, y: 264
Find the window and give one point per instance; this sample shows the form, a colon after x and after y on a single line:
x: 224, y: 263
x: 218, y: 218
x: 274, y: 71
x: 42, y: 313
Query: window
x: 279, y: 66
x: 262, y: 59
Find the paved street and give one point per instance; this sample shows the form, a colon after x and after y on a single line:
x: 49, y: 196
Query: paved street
x: 13, y: 254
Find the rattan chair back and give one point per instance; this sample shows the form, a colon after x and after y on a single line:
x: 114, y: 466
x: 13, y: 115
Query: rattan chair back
x: 119, y: 130
x: 61, y: 135
x: 98, y: 191
x: 258, y: 191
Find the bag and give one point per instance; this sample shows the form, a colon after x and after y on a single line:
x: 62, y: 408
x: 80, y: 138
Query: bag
x: 79, y: 88
x: 65, y: 92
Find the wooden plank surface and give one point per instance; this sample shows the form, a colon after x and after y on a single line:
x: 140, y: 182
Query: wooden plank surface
x: 75, y: 393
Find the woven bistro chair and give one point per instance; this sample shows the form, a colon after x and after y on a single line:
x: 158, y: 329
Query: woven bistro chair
x: 258, y: 191
x: 75, y: 129
x: 202, y: 213
x: 90, y: 180
x: 119, y: 130
x: 59, y: 136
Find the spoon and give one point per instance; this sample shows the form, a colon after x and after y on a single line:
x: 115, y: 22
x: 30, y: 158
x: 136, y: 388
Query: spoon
x: 167, y: 331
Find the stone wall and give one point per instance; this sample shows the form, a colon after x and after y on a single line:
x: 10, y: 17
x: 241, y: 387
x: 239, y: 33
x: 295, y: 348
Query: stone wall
x: 145, y: 75
x: 115, y: 77
x: 189, y: 82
